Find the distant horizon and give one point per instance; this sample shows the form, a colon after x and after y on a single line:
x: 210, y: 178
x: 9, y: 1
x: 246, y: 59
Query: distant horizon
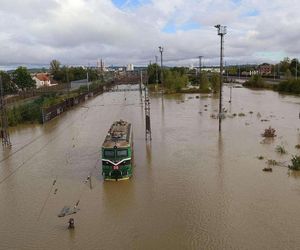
x: 29, y: 66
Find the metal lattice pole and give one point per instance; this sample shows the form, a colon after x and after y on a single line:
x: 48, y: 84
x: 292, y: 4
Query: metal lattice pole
x: 4, y: 122
x: 147, y: 115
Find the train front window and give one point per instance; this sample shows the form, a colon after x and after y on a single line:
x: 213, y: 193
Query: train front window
x: 109, y: 153
x: 122, y: 153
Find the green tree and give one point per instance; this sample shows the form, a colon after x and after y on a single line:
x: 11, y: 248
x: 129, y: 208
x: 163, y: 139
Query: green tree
x: 54, y: 66
x: 285, y: 64
x: 256, y: 81
x: 173, y: 80
x: 22, y: 78
x: 204, y: 83
x: 8, y: 86
x: 288, y: 74
x: 151, y: 70
x: 293, y: 65
x: 215, y: 82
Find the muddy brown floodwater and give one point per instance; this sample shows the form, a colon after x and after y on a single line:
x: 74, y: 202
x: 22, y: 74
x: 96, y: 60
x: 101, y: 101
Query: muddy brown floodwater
x: 192, y: 188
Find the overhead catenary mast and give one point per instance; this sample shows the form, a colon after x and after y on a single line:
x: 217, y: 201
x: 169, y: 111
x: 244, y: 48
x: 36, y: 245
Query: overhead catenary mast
x: 148, y: 135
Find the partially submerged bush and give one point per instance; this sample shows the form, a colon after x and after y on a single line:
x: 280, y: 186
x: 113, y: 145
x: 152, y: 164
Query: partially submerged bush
x: 272, y: 162
x: 297, y: 146
x: 260, y: 157
x: 281, y: 149
x: 295, y: 163
x: 269, y: 132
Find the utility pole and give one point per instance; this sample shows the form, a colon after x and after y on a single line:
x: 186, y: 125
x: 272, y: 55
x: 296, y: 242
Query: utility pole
x: 156, y: 71
x: 200, y: 68
x: 161, y: 49
x: 222, y: 30
x: 296, y: 69
x: 87, y: 80
x: 4, y: 121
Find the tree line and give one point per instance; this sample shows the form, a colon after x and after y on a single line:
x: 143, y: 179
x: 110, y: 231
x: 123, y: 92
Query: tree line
x: 21, y: 79
x: 176, y: 79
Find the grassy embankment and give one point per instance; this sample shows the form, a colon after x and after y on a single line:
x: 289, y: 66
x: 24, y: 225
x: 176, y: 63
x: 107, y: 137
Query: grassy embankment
x: 289, y: 86
x: 31, y: 112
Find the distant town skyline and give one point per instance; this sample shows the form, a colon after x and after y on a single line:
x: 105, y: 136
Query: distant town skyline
x: 121, y: 32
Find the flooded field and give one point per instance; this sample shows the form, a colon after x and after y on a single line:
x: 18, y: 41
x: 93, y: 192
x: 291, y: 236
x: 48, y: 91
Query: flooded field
x: 192, y: 188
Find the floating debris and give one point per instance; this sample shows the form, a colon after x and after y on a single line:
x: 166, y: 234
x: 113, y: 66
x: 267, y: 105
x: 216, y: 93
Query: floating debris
x: 260, y: 157
x: 234, y: 114
x: 67, y: 210
x: 251, y: 112
x: 71, y: 223
x: 268, y: 169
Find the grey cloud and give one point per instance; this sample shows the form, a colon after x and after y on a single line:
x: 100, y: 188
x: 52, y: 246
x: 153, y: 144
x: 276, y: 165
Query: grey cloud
x: 80, y: 31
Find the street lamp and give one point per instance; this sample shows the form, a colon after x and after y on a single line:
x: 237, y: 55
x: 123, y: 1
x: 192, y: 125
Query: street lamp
x: 200, y: 68
x: 222, y: 30
x: 161, y: 49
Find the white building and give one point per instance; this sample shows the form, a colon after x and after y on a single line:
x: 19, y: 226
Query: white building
x: 130, y: 67
x: 42, y: 80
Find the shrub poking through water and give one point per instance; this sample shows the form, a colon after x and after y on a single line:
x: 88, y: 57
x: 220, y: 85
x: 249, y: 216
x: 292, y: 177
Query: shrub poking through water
x: 295, y: 163
x: 260, y: 157
x: 280, y: 150
x: 272, y: 162
x: 241, y: 114
x: 297, y: 146
x: 269, y: 132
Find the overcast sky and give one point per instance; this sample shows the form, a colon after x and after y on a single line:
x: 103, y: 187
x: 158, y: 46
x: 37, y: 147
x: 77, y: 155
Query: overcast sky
x: 130, y: 31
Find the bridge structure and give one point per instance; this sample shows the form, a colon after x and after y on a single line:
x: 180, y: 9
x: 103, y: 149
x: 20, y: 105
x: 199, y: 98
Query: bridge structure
x: 125, y: 89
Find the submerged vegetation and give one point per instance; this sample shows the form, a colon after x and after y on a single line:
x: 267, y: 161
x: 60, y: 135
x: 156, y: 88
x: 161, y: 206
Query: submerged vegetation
x: 183, y: 80
x: 295, y: 163
x: 256, y: 81
x: 280, y: 149
x: 269, y: 132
